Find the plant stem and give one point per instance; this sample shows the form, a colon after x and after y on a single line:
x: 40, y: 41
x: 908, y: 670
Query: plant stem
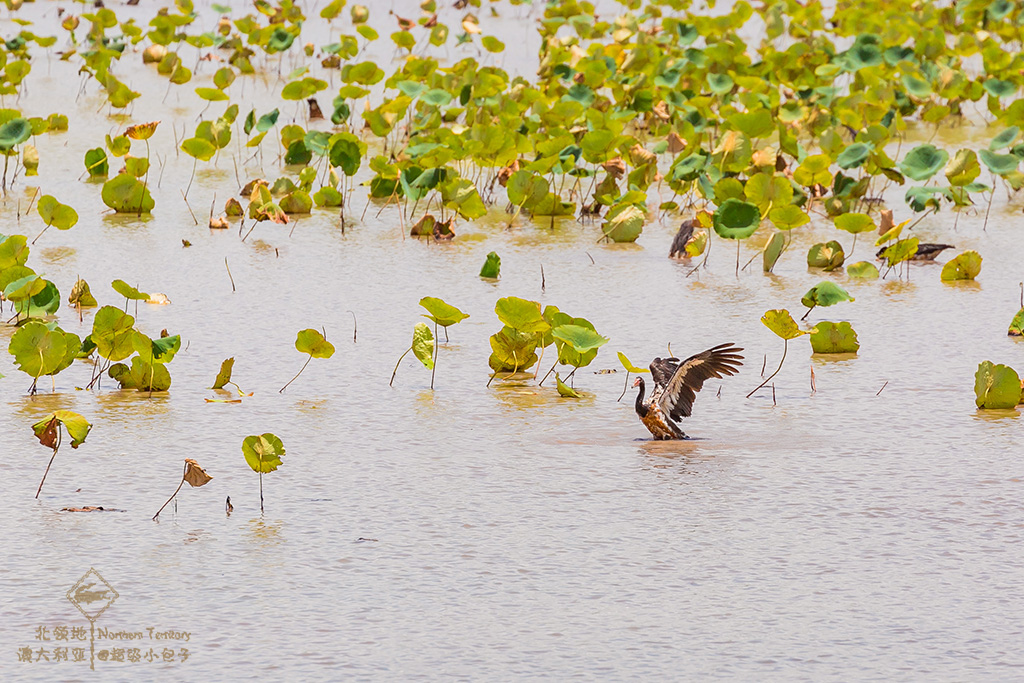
x: 434, y: 366
x: 281, y: 390
x: 391, y: 383
x: 180, y: 484
x: 261, y: 489
x: 785, y: 348
x: 47, y: 470
x: 625, y: 387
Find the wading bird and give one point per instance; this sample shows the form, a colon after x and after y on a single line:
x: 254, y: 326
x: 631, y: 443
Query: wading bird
x: 676, y: 385
x: 925, y: 251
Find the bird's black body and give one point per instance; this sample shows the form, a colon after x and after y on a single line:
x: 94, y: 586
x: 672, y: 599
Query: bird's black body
x: 678, y: 248
x: 676, y: 385
x: 925, y: 251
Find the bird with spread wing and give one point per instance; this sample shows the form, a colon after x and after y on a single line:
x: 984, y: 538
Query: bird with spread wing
x: 676, y: 385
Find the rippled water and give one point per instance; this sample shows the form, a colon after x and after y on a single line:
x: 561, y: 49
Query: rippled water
x: 503, y: 533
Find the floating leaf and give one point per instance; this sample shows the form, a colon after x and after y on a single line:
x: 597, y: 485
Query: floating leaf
x: 37, y: 349
x: 965, y: 266
x: 1017, y: 324
x: 829, y: 337
x: 564, y: 390
x: 826, y: 255
x: 124, y: 193
x: 924, y: 161
x: 996, y: 387
x: 862, y: 269
x: 624, y: 223
x: 81, y: 296
x: 855, y: 222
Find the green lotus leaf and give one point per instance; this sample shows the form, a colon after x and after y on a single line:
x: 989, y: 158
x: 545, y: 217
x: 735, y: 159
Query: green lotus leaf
x: 772, y: 251
x: 314, y: 343
x: 24, y: 288
x: 1004, y: 139
x: 37, y: 349
x: 441, y: 313
x: 521, y: 315
x: 825, y: 293
x: 297, y: 201
x: 112, y: 333
x: 564, y: 390
x: 61, y: 216
x: 159, y: 350
x: 999, y: 88
x: 828, y: 256
x: 582, y: 339
x: 512, y: 350
x: 854, y: 155
x: 965, y: 266
x: 212, y: 94
x: 734, y: 219
x: 862, y: 269
x: 263, y: 453
x: 346, y: 152
x: 1000, y: 164
x: 788, y: 217
x: 996, y: 387
x: 13, y: 252
x: 829, y: 337
x: 720, y: 84
x: 492, y: 266
x: 128, y: 292
x: 124, y: 193
x: 766, y: 191
x: 814, y: 171
x: 628, y: 364
x: 781, y: 322
x: 96, y: 163
x: 13, y: 133
x: 924, y: 161
x: 141, y: 376
x: 855, y: 222
x: 423, y: 345
x: 963, y: 168
x: 900, y: 251
x: 81, y: 295
x: 624, y: 223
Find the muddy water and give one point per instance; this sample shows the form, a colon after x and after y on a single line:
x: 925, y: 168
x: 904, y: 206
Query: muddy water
x: 501, y: 533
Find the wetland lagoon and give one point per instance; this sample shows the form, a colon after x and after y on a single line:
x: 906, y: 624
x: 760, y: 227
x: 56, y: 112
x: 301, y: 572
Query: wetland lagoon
x: 223, y: 225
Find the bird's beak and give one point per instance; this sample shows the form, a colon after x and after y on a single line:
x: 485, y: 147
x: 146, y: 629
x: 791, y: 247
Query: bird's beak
x: 637, y: 381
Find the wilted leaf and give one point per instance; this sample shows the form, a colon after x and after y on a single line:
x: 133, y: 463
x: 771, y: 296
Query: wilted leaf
x: 626, y: 363
x: 423, y: 344
x: 782, y: 324
x: 564, y: 389
x: 194, y: 474
x: 224, y: 376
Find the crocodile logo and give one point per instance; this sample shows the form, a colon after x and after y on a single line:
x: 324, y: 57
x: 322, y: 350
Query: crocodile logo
x: 92, y: 595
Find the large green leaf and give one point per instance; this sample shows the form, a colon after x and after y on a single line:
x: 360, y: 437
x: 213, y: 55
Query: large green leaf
x: 492, y: 266
x: 520, y: 314
x: 37, y: 349
x: 924, y: 161
x: 159, y: 350
x: 13, y: 133
x: 1000, y: 164
x: 61, y: 216
x: 996, y: 387
x: 624, y: 223
x: 444, y: 314
x: 855, y: 222
x: 124, y: 193
x: 829, y: 337
x: 581, y: 338
x: 263, y: 453
x: 862, y: 269
x: 112, y: 333
x: 628, y: 364
x: 128, y: 292
x: 141, y: 376
x: 826, y: 255
x: 772, y: 251
x: 224, y: 374
x: 965, y: 266
x: 314, y: 343
x: 735, y: 219
x: 825, y: 293
x: 512, y: 350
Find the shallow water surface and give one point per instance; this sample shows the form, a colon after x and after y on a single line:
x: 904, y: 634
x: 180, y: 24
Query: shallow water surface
x: 870, y: 530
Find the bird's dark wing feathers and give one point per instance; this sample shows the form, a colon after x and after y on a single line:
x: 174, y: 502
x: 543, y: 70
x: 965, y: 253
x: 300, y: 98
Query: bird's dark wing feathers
x: 682, y: 237
x: 662, y: 370
x: 690, y: 375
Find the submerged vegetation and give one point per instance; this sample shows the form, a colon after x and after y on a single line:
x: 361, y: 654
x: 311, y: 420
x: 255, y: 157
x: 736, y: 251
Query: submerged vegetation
x: 659, y: 110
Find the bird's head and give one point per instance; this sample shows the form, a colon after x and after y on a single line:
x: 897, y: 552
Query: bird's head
x: 638, y: 381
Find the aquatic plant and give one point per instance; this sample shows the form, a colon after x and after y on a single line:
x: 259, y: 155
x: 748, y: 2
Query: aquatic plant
x: 49, y: 432
x: 194, y: 475
x: 263, y: 454
x: 996, y: 387
x: 782, y: 324
x: 315, y: 344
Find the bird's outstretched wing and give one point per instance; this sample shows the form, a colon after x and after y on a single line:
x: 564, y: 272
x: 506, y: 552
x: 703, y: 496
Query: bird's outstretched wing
x: 662, y: 370
x: 690, y: 375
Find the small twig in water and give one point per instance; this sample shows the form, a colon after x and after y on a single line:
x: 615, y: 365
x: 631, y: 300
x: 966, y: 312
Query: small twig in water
x: 355, y: 327
x: 189, y: 207
x: 229, y: 274
x: 883, y: 387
